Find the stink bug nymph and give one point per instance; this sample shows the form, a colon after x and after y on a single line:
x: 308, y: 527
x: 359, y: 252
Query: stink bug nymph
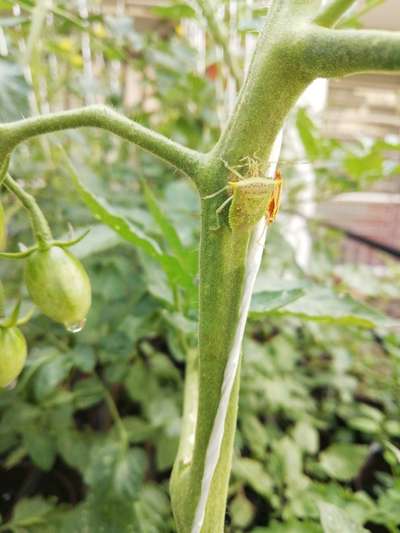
x: 251, y: 197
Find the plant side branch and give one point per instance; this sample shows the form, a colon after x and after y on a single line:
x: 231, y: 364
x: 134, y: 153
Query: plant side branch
x: 182, y: 158
x: 336, y: 53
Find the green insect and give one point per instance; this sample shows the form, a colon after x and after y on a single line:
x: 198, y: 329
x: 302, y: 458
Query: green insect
x: 251, y: 197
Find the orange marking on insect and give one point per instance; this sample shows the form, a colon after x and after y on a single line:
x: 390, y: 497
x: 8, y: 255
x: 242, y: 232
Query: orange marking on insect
x: 275, y: 199
x: 251, y: 197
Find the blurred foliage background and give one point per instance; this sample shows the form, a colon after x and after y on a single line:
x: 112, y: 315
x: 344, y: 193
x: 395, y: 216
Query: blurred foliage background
x: 319, y: 405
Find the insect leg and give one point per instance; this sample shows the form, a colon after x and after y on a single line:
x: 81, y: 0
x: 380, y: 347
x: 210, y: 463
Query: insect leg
x: 234, y: 171
x: 214, y: 194
x: 218, y: 211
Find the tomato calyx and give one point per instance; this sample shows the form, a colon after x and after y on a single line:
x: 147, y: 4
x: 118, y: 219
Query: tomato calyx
x: 13, y: 319
x: 43, y: 246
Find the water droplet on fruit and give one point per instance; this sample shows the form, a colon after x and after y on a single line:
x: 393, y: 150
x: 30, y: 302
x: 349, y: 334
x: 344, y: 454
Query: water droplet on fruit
x: 76, y: 327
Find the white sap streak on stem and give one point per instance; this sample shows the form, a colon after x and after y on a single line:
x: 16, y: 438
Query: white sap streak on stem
x: 254, y: 256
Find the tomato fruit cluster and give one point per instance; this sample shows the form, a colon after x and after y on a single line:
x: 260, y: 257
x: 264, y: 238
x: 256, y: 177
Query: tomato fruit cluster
x: 56, y: 281
x: 60, y: 287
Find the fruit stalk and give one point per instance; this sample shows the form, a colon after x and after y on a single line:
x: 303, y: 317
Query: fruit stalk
x: 40, y: 226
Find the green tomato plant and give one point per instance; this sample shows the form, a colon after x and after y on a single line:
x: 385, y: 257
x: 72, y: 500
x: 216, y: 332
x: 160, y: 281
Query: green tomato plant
x: 297, y: 45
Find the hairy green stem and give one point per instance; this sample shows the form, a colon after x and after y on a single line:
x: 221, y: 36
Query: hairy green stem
x: 335, y: 53
x: 273, y: 84
x: 39, y: 223
x: 182, y: 158
x: 222, y: 274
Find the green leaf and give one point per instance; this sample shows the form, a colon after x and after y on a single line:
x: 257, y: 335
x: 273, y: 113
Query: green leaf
x: 174, y: 12
x: 255, y: 435
x: 185, y: 258
x: 31, y: 512
x: 253, y: 473
x: 115, y: 476
x: 365, y: 425
x: 110, y: 516
x: 100, y: 239
x: 114, y: 469
x: 87, y: 392
x: 290, y: 526
x: 83, y: 358
x: 336, y: 520
x: 40, y: 446
x: 306, y: 437
x: 119, y: 224
x: 180, y: 322
x: 308, y: 134
x: 324, y: 305
x: 394, y: 450
x: 359, y: 165
x: 137, y: 429
x: 241, y: 511
x: 266, y: 301
x: 50, y: 375
x: 343, y: 461
x: 157, y: 282
x: 291, y: 458
x: 139, y: 383
x: 74, y: 447
x: 154, y: 510
x: 129, y: 232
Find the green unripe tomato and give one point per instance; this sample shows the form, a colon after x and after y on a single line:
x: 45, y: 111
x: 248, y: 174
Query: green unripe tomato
x: 13, y: 353
x: 59, y: 285
x: 3, y: 229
